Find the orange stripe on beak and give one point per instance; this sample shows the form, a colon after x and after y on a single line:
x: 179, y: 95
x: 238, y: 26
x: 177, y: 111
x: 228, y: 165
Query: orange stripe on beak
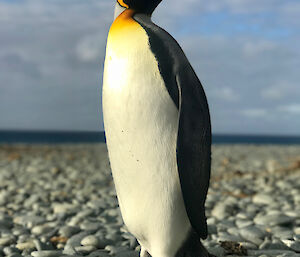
x: 121, y: 2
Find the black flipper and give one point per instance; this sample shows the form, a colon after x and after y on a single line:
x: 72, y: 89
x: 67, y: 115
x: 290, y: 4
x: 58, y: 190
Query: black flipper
x: 194, y: 132
x: 194, y: 149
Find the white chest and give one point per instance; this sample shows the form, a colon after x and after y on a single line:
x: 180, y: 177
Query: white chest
x: 141, y: 124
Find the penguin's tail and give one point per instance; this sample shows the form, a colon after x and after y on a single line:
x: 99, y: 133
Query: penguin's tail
x: 193, y: 247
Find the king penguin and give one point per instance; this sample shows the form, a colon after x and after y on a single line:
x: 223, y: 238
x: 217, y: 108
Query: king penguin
x: 158, y: 134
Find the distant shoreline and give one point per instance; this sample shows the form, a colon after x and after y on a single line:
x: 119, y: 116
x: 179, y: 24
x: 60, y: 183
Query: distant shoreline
x: 62, y: 137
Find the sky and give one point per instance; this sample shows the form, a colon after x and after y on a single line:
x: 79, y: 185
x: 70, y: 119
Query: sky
x: 245, y: 52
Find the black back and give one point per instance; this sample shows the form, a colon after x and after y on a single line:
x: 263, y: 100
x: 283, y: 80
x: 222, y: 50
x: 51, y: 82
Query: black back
x: 194, y: 131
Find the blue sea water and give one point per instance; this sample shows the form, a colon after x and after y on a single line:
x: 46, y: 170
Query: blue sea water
x: 62, y: 137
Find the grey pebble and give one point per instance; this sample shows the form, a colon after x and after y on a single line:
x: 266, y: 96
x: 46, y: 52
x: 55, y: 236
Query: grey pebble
x: 75, y: 240
x: 99, y: 253
x: 240, y: 223
x: 272, y: 245
x: 252, y: 234
x: 90, y: 240
x: 127, y: 254
x: 68, y: 231
x: 14, y: 255
x: 29, y: 245
x: 85, y: 249
x: 294, y: 245
x: 273, y: 219
x: 7, y: 240
x: 234, y: 231
x: 226, y: 237
x: 248, y: 245
x: 41, y: 229
x: 53, y: 253
x: 282, y: 232
x: 62, y: 207
x: 221, y: 211
x: 269, y: 252
x: 29, y: 220
x: 113, y: 250
x: 91, y: 226
x: 10, y: 250
x: 217, y: 251
x: 69, y: 250
x: 262, y: 199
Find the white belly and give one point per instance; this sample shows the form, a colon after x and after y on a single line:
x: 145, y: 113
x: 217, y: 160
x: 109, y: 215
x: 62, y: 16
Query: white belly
x: 141, y: 123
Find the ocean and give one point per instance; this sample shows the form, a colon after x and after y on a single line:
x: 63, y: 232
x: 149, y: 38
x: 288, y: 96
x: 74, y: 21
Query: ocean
x: 63, y: 137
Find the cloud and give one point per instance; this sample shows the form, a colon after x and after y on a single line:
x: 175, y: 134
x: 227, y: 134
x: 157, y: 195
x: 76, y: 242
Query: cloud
x: 226, y: 94
x: 293, y: 108
x: 244, y: 52
x: 252, y: 49
x: 254, y: 113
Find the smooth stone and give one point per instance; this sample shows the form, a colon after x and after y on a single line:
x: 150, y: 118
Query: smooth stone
x: 273, y: 220
x: 292, y: 244
x: 113, y: 237
x: 297, y: 237
x: 127, y: 254
x: 41, y: 229
x: 244, y: 216
x: 6, y: 223
x: 272, y: 245
x: 297, y: 230
x: 282, y: 232
x: 31, y: 200
x: 234, y: 231
x: 68, y: 231
x: 217, y: 251
x: 24, y: 238
x: 85, y: 213
x: 91, y: 226
x: 269, y: 252
x: 221, y: 211
x: 14, y: 255
x: 10, y: 250
x: 211, y: 221
x: 29, y: 245
x: 113, y: 250
x: 248, y: 245
x: 99, y: 253
x: 62, y: 207
x: 90, y: 240
x: 7, y: 240
x: 85, y: 249
x: 252, y: 232
x: 262, y: 199
x: 97, y: 204
x: 42, y: 246
x: 20, y: 231
x: 75, y: 240
x: 46, y: 253
x: 227, y: 237
x: 69, y: 250
x: 240, y: 223
x: 29, y: 220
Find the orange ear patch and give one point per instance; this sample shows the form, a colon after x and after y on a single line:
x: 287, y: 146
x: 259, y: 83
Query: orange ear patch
x: 121, y: 2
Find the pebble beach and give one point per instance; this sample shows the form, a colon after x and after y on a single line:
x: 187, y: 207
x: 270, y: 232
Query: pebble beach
x: 59, y: 200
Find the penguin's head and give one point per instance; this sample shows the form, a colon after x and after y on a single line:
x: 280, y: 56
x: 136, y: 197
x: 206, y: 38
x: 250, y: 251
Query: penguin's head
x: 141, y: 6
